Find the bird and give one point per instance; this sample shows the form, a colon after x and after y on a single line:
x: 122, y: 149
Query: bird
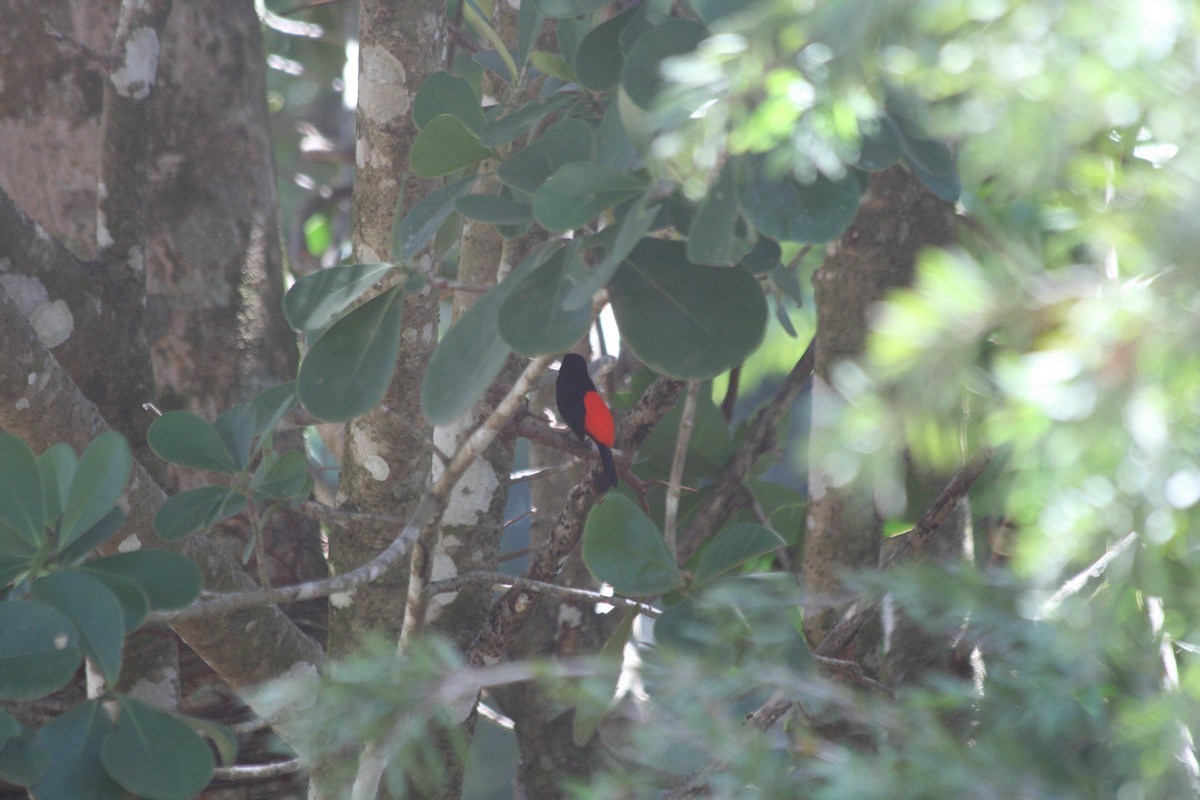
x: 585, y: 412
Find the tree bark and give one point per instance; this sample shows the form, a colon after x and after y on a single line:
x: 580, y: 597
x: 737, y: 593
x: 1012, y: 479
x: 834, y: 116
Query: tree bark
x: 874, y: 256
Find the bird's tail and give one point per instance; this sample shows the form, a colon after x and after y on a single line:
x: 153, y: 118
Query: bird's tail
x: 610, y: 468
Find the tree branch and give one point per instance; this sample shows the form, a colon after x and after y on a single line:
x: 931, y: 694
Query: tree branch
x: 422, y: 561
x: 553, y: 589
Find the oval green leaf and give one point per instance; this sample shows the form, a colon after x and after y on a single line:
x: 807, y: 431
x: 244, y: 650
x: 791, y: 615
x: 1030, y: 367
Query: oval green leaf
x: 579, y: 192
x: 97, y: 615
x: 445, y: 145
x: 683, y: 320
x: 503, y: 129
x: 131, y: 597
x: 195, y: 509
x: 170, y: 580
x: 598, y: 59
x: 635, y: 224
x: 562, y: 143
x: 471, y: 354
x: 39, y: 649
x: 22, y: 760
x: 712, y: 238
x: 443, y: 93
x: 641, y: 75
x: 316, y: 300
x: 155, y: 755
x: 57, y: 467
x: 494, y: 209
x: 622, y: 547
x: 414, y: 230
x: 99, y: 481
x: 347, y: 371
x: 733, y: 547
x: 532, y: 321
x: 74, y: 741
x: 285, y: 478
x: 787, y: 210
x: 22, y: 507
x: 183, y: 438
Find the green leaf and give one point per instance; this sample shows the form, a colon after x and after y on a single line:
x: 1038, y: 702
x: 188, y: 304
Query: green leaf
x: 195, y: 509
x: 687, y: 627
x: 598, y: 59
x: 712, y: 237
x: 560, y: 9
x: 412, y: 231
x: 579, y: 192
x: 945, y: 187
x: 22, y: 507
x: 235, y: 426
x: 271, y: 406
x: 57, y: 467
x: 880, y: 146
x: 529, y: 25
x: 494, y: 209
x: 479, y: 20
x: 787, y: 210
x: 94, y: 610
x: 224, y: 739
x: 347, y: 371
x: 683, y: 320
x: 613, y: 146
x: 155, y: 755
x: 445, y: 145
x: 562, y: 143
x: 552, y: 64
x: 183, y: 438
x: 568, y: 33
x: 785, y: 280
x: 494, y: 62
x: 503, y: 129
x: 316, y: 300
x: 22, y: 760
x: 443, y: 93
x: 170, y: 580
x: 39, y: 649
x: 99, y: 481
x: 641, y: 76
x: 286, y: 478
x: 471, y: 354
x: 532, y: 321
x: 733, y: 547
x: 135, y: 605
x: 73, y: 741
x: 635, y: 224
x: 622, y: 547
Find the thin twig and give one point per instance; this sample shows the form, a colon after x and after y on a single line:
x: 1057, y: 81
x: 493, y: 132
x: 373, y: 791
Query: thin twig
x: 256, y: 772
x: 687, y: 421
x: 541, y: 587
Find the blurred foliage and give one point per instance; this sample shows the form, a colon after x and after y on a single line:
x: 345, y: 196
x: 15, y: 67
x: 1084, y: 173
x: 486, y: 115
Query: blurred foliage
x: 1063, y: 324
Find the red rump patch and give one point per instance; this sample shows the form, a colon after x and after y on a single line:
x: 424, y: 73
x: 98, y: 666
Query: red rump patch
x: 599, y: 420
